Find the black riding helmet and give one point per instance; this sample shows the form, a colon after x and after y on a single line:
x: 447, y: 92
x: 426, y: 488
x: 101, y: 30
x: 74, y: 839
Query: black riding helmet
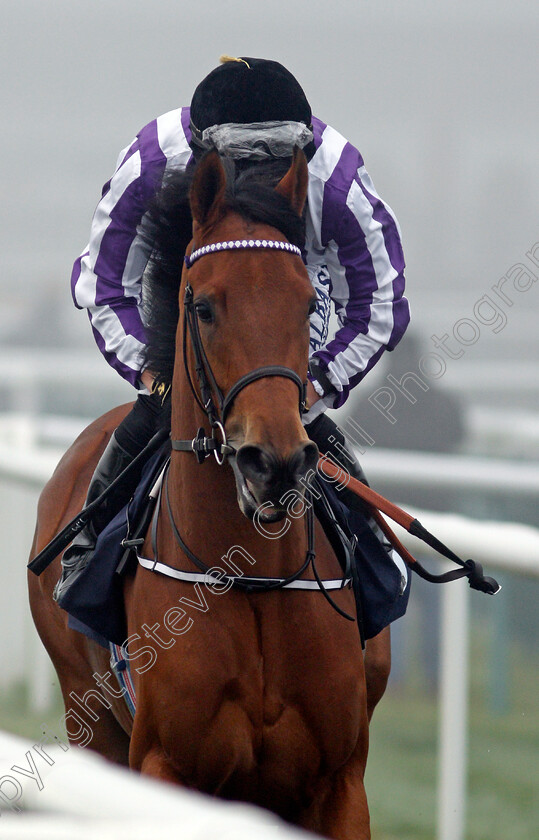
x: 249, y: 90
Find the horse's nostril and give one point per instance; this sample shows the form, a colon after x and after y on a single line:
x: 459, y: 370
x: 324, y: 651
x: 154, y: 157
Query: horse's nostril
x: 304, y: 460
x: 255, y: 464
x: 261, y: 467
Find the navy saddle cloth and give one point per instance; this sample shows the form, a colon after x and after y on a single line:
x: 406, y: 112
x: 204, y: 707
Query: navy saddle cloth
x: 94, y: 601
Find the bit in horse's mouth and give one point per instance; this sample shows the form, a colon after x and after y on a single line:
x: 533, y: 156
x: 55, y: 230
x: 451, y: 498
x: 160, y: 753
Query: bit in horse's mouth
x: 247, y: 500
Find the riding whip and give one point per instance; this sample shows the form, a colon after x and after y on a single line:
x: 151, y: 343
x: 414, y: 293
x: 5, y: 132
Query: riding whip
x: 45, y: 557
x: 377, y: 505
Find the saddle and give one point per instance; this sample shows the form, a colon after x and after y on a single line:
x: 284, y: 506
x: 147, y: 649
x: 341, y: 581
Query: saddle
x: 95, y: 599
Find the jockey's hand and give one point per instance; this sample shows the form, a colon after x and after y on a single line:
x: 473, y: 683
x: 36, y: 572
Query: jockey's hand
x: 312, y: 396
x: 146, y: 377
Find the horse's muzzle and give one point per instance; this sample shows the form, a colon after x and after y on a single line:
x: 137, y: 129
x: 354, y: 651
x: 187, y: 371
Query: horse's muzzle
x: 262, y: 476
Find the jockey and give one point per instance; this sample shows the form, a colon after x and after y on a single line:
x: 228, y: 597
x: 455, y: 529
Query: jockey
x: 245, y: 108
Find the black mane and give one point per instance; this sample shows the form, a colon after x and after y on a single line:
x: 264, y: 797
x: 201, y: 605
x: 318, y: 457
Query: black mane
x: 250, y: 193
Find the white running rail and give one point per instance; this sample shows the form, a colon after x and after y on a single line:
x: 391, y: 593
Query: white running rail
x: 74, y: 793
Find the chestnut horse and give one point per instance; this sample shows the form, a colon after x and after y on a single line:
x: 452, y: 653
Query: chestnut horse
x: 251, y: 696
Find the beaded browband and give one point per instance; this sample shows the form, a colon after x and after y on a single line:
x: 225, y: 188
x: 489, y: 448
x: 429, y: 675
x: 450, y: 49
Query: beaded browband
x: 239, y: 245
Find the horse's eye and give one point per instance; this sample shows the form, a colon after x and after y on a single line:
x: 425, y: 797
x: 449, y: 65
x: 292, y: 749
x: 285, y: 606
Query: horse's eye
x: 204, y: 311
x: 312, y: 307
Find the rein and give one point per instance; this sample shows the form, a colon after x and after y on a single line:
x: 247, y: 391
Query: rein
x: 246, y: 583
x: 377, y: 505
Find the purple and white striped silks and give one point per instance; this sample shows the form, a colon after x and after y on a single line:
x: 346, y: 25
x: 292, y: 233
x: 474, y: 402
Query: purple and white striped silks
x: 353, y: 254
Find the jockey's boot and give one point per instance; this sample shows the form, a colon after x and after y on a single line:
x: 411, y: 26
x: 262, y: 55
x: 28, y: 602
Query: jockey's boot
x: 331, y: 442
x: 77, y: 556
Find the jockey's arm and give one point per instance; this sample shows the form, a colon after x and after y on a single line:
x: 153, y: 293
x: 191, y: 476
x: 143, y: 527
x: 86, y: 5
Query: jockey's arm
x: 107, y: 277
x: 364, y: 258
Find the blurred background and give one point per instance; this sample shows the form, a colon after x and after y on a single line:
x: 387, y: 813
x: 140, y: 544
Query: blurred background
x: 442, y: 102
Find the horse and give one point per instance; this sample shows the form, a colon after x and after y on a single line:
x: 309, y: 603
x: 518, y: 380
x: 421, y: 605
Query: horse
x: 249, y: 695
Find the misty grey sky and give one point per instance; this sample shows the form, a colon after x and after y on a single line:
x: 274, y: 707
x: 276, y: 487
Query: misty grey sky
x: 441, y: 100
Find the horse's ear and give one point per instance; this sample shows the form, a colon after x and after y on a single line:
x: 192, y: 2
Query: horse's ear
x: 294, y: 184
x: 207, y: 192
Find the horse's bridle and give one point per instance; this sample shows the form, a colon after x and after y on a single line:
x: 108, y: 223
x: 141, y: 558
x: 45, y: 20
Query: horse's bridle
x: 201, y: 445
